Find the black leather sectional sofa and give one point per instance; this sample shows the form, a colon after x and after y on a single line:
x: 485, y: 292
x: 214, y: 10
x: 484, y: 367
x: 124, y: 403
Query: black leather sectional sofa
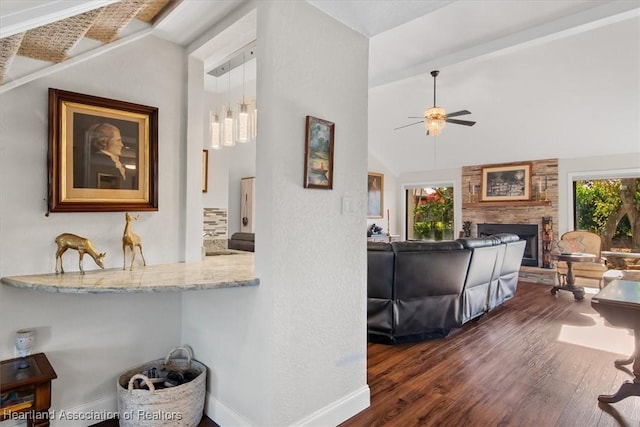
x: 420, y: 290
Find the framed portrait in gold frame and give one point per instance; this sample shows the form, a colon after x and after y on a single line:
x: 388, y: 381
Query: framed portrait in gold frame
x: 103, y: 154
x: 375, y: 195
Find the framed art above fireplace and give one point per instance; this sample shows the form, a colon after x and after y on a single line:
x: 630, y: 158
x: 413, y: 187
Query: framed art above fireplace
x: 506, y: 182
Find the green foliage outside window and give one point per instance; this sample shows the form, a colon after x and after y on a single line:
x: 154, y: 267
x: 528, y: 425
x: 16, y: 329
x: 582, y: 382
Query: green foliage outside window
x: 610, y: 208
x: 433, y: 215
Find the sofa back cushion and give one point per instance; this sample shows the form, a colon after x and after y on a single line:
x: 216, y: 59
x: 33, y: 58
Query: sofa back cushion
x: 506, y: 237
x: 380, y: 270
x: 426, y: 245
x: 478, y: 242
x: 429, y: 268
x: 508, y: 281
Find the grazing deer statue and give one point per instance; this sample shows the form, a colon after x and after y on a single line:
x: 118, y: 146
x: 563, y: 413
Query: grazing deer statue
x: 131, y: 240
x: 83, y: 246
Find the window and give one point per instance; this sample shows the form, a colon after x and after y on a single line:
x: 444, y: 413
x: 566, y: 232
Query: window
x: 429, y: 213
x: 609, y: 207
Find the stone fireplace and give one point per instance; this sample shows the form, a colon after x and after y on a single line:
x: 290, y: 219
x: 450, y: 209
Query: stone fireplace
x: 520, y: 213
x: 527, y: 232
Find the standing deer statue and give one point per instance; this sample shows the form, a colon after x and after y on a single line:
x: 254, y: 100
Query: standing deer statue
x: 131, y: 239
x: 83, y: 246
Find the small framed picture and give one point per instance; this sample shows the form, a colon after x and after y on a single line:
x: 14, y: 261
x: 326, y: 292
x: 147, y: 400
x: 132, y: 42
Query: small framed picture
x: 375, y: 193
x: 205, y: 170
x: 318, y: 154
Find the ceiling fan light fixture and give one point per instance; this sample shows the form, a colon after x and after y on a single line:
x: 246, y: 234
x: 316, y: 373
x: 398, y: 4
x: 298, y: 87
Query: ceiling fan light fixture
x: 435, y: 120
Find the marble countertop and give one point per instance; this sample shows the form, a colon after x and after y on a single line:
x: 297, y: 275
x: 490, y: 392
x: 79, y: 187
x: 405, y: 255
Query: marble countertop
x: 214, y: 272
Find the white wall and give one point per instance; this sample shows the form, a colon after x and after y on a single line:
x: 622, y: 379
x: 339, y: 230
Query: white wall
x: 285, y: 352
x: 312, y: 257
x: 90, y: 339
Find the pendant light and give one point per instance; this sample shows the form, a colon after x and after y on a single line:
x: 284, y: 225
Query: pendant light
x: 214, y: 126
x: 229, y: 140
x: 254, y: 123
x: 243, y: 112
x: 215, y: 131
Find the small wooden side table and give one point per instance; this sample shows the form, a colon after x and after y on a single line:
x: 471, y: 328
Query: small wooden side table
x: 34, y: 383
x: 570, y: 258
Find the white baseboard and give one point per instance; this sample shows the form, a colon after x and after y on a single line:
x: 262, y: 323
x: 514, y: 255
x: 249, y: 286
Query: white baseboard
x: 222, y: 414
x: 99, y: 410
x: 79, y: 416
x: 86, y: 414
x: 340, y: 410
x: 332, y: 414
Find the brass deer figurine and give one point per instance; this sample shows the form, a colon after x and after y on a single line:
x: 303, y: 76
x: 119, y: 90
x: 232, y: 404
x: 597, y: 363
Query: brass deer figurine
x: 83, y: 246
x: 131, y: 239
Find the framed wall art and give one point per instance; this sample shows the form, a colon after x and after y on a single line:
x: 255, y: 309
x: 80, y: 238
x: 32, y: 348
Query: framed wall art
x: 375, y: 195
x: 318, y: 154
x: 103, y: 154
x: 205, y: 170
x: 506, y: 182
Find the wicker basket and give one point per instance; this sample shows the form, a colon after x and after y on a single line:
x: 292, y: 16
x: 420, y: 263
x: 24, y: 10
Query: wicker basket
x: 181, y: 405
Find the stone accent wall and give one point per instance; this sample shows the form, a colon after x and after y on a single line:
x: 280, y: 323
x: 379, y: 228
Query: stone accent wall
x: 517, y: 212
x: 215, y: 229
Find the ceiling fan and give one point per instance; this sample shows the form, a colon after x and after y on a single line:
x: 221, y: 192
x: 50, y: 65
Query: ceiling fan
x: 435, y: 118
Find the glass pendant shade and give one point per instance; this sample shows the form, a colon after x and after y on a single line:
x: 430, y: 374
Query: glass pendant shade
x: 228, y: 140
x: 254, y: 124
x: 435, y: 120
x: 215, y: 132
x: 243, y: 123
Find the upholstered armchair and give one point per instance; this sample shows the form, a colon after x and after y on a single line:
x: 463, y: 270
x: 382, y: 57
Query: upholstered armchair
x: 585, y: 242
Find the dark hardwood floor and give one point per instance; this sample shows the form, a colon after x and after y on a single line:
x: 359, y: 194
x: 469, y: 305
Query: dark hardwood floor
x: 538, y: 360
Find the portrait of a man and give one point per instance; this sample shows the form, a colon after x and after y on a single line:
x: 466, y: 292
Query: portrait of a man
x: 102, y: 158
x: 103, y: 154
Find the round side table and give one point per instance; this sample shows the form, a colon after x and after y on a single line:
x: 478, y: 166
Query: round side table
x: 570, y: 258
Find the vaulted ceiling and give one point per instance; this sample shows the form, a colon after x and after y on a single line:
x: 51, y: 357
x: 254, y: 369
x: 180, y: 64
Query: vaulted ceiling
x: 54, y: 42
x: 407, y: 38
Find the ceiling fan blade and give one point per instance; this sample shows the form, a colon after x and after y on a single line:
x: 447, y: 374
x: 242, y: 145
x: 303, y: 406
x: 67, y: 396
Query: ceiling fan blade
x: 459, y: 113
x: 460, y: 122
x: 410, y: 124
x: 417, y: 117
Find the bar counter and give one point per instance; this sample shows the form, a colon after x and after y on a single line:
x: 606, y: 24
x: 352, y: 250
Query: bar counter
x: 214, y: 272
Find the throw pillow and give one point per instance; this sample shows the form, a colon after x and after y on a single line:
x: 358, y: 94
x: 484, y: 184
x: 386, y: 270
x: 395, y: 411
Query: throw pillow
x: 571, y: 246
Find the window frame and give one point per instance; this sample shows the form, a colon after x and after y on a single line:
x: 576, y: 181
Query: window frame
x: 457, y: 211
x: 572, y: 177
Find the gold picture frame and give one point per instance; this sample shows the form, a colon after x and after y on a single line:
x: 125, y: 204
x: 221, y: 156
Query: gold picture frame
x: 103, y: 154
x: 205, y: 170
x: 318, y: 154
x: 375, y: 195
x: 506, y: 182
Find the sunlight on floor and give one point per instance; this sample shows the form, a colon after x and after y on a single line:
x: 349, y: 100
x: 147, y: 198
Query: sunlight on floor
x: 598, y: 336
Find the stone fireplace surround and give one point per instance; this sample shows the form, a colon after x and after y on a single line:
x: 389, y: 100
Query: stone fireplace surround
x: 519, y: 212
